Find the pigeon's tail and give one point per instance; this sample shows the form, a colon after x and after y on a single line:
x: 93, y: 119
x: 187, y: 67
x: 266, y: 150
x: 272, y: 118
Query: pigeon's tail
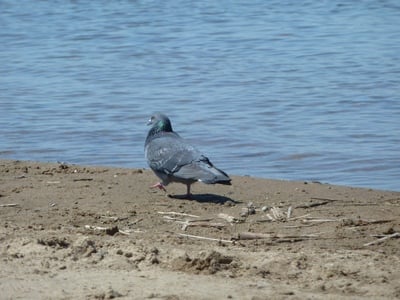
x: 211, y: 174
x: 215, y: 175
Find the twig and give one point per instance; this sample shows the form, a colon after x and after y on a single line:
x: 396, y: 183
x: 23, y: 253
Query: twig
x: 123, y: 232
x: 314, y: 220
x: 361, y: 204
x: 254, y: 236
x: 186, y: 224
x: 114, y: 218
x: 263, y: 220
x: 9, y: 205
x: 204, y: 238
x: 136, y: 221
x: 91, y: 227
x: 177, y: 214
x: 378, y: 241
x: 299, y: 226
x: 313, y: 204
x: 345, y: 204
x: 289, y: 213
x: 83, y: 179
x: 107, y: 230
x: 325, y: 199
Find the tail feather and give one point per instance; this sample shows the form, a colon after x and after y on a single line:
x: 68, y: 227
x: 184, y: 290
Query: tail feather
x: 204, y: 172
x: 214, y: 175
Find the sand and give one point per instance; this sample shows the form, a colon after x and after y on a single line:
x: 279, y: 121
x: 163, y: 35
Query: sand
x: 76, y: 232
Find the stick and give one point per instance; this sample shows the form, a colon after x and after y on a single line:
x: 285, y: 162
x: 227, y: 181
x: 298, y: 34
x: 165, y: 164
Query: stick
x: 123, y: 232
x: 319, y: 220
x: 114, y: 218
x: 91, y: 227
x: 361, y: 222
x: 187, y: 224
x: 325, y: 199
x: 176, y: 213
x: 314, y: 204
x: 254, y: 236
x: 136, y: 221
x: 204, y: 238
x: 345, y: 204
x: 9, y: 205
x: 289, y: 213
x: 299, y: 226
x: 107, y: 230
x: 378, y: 241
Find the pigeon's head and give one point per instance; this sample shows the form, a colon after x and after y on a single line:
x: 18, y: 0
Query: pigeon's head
x: 160, y: 122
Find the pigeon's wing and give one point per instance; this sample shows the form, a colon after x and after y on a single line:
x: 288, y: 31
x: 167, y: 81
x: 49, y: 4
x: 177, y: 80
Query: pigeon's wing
x: 201, y: 169
x: 168, y: 152
x: 171, y: 155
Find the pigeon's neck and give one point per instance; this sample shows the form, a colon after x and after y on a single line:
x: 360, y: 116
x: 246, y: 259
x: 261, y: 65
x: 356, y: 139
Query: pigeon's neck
x: 160, y: 127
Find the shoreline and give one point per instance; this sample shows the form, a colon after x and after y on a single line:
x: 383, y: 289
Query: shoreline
x: 73, y: 232
x: 110, y: 166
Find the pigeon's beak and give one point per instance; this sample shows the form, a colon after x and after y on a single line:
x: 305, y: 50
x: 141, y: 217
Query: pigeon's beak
x: 149, y: 122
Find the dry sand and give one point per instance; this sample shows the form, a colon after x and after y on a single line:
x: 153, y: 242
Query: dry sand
x: 74, y: 232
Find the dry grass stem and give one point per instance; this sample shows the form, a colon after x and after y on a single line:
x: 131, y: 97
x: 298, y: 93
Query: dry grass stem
x: 254, y: 236
x: 176, y: 214
x: 378, y: 241
x: 9, y: 205
x: 204, y: 238
x: 187, y: 224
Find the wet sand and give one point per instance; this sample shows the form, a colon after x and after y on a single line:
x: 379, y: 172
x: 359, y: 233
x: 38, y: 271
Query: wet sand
x: 76, y: 232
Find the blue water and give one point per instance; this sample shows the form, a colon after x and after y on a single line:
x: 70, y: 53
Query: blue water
x: 304, y: 90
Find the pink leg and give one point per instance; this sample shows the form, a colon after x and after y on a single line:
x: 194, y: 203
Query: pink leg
x: 159, y: 185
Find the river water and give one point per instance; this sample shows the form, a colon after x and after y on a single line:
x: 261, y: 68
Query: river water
x: 303, y: 90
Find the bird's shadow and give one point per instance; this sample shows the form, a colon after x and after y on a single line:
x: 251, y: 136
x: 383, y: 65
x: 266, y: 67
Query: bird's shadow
x: 206, y: 198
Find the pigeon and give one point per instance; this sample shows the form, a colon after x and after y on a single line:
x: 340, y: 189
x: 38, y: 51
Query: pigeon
x: 173, y: 159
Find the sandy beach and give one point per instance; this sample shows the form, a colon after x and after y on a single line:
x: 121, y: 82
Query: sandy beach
x: 76, y: 232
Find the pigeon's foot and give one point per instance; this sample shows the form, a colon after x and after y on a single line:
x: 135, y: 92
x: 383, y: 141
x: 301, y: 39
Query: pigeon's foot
x: 159, y: 185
